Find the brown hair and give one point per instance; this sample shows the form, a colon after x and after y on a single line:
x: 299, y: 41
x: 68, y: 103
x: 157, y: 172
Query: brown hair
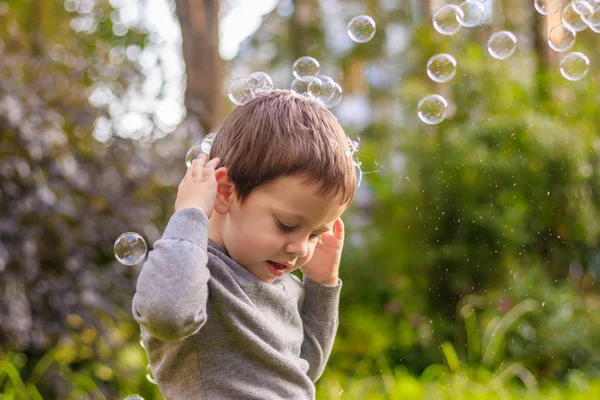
x: 280, y: 134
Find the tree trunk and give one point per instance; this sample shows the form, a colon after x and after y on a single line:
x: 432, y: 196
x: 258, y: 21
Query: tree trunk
x: 199, y: 20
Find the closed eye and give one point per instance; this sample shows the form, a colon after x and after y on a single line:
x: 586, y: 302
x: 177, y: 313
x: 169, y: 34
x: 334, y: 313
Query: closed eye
x: 285, y: 228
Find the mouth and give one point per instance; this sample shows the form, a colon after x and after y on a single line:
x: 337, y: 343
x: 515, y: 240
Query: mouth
x: 276, y: 269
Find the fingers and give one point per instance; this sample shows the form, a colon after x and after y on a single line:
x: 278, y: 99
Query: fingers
x: 201, y: 169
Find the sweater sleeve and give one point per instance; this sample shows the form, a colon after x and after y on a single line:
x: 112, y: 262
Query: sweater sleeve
x: 319, y: 312
x: 172, y: 288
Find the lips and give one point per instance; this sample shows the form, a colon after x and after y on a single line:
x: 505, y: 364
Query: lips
x: 278, y: 265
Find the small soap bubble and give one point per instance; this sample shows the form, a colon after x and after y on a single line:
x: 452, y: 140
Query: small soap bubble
x: 573, y: 15
x: 305, y: 68
x: 593, y: 20
x: 502, y: 45
x: 299, y: 87
x: 134, y: 397
x: 441, y: 67
x: 314, y: 88
x: 561, y: 38
x: 361, y: 28
x: 327, y: 89
x: 239, y: 91
x: 432, y: 109
x: 130, y: 248
x: 336, y: 97
x: 473, y: 13
x: 574, y: 66
x: 447, y: 19
x: 149, y: 375
x: 547, y: 7
x: 260, y: 83
x: 207, y: 142
x: 193, y: 153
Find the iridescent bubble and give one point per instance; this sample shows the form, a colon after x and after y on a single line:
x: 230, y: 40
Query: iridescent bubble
x: 314, y: 88
x: 134, y: 397
x: 299, y: 87
x: 432, y: 109
x: 239, y: 91
x: 305, y: 68
x: 260, y: 83
x: 502, y: 45
x: 207, y: 142
x: 447, y: 19
x: 593, y: 20
x: 473, y: 13
x: 441, y: 68
x: 361, y: 28
x: 149, y: 375
x: 193, y: 153
x: 547, y: 7
x: 130, y: 248
x: 561, y: 38
x: 574, y: 66
x: 573, y: 15
x: 336, y: 97
x: 327, y: 89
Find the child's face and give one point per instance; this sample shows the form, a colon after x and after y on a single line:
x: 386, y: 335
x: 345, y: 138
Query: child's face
x: 279, y: 222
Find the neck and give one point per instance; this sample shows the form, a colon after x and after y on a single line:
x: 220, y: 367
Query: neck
x: 215, y: 228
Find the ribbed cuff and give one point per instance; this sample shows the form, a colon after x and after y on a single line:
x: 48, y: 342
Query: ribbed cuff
x: 189, y: 224
x: 321, y: 302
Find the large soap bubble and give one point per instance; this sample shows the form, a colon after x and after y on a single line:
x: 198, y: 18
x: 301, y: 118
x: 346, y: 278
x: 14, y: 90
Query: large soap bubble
x: 130, y: 248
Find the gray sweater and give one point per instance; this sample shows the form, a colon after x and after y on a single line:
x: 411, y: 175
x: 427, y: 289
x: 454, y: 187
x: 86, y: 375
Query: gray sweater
x: 213, y: 331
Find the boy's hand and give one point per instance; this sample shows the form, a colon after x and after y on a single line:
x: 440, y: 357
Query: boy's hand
x: 198, y: 187
x: 323, y: 267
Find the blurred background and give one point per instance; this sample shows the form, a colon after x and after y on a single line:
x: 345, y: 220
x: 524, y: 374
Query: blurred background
x: 472, y: 257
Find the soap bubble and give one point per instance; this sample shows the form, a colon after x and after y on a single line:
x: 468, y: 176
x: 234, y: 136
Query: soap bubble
x: 361, y: 29
x: 239, y: 91
x: 193, y: 153
x: 432, y: 109
x: 327, y: 89
x: 130, y: 248
x: 314, y: 88
x: 142, y: 342
x: 305, y: 68
x: 260, y: 83
x: 300, y: 87
x: 573, y: 15
x: 561, y: 38
x: 447, y: 19
x: 134, y: 397
x: 502, y: 44
x: 574, y: 66
x: 336, y: 96
x: 441, y: 67
x: 593, y: 20
x: 472, y: 13
x: 207, y: 142
x: 149, y: 375
x: 547, y: 7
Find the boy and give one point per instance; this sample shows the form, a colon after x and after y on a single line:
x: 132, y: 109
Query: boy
x: 221, y: 315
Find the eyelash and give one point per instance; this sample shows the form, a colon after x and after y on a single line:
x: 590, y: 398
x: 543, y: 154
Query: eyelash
x: 287, y: 228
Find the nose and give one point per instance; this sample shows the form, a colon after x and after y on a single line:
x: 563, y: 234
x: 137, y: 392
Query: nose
x: 297, y: 246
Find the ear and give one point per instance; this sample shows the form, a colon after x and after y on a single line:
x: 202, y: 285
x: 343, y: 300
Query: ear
x: 225, y: 191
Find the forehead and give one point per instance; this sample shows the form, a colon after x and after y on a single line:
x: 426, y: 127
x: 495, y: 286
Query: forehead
x: 296, y: 196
